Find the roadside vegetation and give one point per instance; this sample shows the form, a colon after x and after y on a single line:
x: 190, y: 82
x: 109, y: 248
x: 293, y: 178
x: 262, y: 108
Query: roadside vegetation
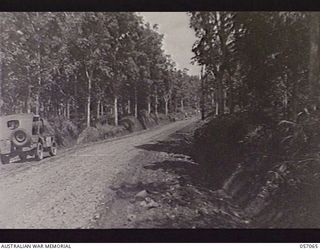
x: 259, y: 141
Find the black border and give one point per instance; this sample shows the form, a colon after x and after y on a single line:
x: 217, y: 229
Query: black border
x: 160, y: 235
x: 158, y: 5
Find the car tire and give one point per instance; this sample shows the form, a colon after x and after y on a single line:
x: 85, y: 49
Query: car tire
x: 22, y: 133
x: 39, y: 152
x: 53, y: 149
x: 5, y: 159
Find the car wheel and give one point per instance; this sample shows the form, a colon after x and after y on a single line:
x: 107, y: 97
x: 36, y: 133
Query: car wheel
x: 20, y: 137
x: 39, y: 152
x: 5, y: 159
x: 53, y: 149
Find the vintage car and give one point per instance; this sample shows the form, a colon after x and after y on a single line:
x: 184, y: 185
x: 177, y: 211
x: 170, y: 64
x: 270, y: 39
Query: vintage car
x: 23, y: 135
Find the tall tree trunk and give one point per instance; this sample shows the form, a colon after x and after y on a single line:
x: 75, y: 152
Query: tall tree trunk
x: 75, y: 103
x: 129, y: 106
x: 37, y: 104
x: 217, y: 104
x: 217, y: 109
x: 156, y: 102
x: 115, y: 110
x: 135, y: 102
x: 166, y: 102
x: 149, y: 104
x: 89, y: 97
x: 98, y: 109
x: 39, y: 77
x: 181, y: 104
x: 212, y: 99
x: 59, y: 109
x: 314, y: 58
x: 27, y: 101
x: 202, y: 100
x: 102, y: 109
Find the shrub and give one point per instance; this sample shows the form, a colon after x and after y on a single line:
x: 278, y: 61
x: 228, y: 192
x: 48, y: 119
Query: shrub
x: 107, y: 131
x: 66, y: 132
x: 131, y: 123
x: 89, y: 134
x: 146, y: 120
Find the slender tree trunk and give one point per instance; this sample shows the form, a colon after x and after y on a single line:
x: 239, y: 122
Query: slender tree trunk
x: 37, y: 104
x: 217, y: 104
x: 149, y: 105
x: 27, y: 102
x: 98, y: 109
x: 212, y: 99
x: 88, y: 107
x: 181, y: 104
x: 59, y: 109
x: 129, y: 106
x: 64, y: 110
x: 135, y: 102
x: 217, y: 108
x: 115, y: 110
x: 39, y: 78
x: 102, y: 109
x: 166, y: 100
x: 88, y: 98
x: 202, y: 100
x: 75, y: 95
x: 156, y: 102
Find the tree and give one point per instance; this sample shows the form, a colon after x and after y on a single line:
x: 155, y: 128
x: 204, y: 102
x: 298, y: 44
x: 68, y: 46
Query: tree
x: 215, y: 47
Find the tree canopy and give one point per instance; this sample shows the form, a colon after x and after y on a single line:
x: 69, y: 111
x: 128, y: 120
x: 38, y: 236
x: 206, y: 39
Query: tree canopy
x: 86, y: 65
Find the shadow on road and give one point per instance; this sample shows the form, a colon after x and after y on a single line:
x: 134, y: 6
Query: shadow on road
x: 31, y: 159
x: 180, y: 162
x: 177, y: 143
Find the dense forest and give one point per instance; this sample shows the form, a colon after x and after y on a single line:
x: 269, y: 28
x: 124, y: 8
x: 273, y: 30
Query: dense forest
x: 260, y: 103
x: 255, y: 61
x: 83, y: 66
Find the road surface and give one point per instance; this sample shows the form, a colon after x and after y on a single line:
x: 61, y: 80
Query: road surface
x: 65, y: 191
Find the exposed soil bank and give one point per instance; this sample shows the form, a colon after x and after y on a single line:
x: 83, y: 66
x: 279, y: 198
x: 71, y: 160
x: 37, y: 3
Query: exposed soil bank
x: 166, y: 189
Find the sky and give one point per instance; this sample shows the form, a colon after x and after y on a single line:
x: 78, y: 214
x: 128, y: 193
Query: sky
x: 178, y: 37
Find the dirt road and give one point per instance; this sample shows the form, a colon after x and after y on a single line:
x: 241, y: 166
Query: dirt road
x: 66, y: 191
